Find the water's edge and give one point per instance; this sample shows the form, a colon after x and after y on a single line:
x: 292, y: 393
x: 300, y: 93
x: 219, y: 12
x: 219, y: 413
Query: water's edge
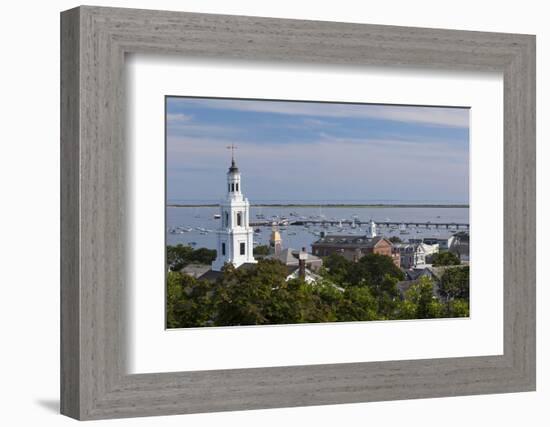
x: 321, y: 205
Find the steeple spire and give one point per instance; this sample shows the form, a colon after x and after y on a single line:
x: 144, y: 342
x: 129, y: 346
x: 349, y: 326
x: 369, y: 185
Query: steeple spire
x: 235, y: 236
x: 232, y: 147
x: 233, y: 167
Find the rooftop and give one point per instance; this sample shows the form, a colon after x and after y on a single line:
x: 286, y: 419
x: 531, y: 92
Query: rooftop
x: 289, y: 256
x: 347, y: 240
x: 212, y: 275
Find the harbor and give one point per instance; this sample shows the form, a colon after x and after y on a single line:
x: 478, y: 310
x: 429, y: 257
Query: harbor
x: 301, y: 226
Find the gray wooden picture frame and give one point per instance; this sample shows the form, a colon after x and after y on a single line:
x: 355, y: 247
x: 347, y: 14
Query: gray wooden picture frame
x: 94, y: 41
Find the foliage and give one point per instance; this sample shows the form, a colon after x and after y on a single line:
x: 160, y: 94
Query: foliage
x: 190, y: 302
x: 445, y: 258
x: 372, y: 269
x: 358, y: 304
x: 347, y: 291
x: 247, y: 297
x: 203, y: 256
x: 261, y: 250
x: 395, y: 239
x: 387, y: 296
x: 180, y: 255
x: 337, y: 267
x: 455, y: 283
x: 421, y: 301
x: 459, y: 308
x: 328, y: 299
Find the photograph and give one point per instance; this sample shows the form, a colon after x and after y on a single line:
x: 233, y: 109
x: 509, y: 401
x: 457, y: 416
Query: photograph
x: 294, y: 212
x: 264, y: 213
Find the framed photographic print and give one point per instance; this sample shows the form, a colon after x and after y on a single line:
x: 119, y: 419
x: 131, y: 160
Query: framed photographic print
x: 261, y: 213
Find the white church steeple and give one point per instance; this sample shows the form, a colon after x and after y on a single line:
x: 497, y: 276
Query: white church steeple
x: 235, y: 244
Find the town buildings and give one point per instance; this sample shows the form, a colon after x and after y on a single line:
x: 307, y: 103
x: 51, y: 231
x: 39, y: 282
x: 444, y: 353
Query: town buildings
x: 298, y: 262
x: 413, y: 255
x: 444, y: 243
x: 458, y: 243
x: 290, y: 256
x: 235, y: 242
x: 355, y: 247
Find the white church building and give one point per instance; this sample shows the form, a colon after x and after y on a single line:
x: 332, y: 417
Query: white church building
x: 235, y: 243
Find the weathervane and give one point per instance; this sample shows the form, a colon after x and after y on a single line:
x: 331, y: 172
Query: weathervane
x: 232, y: 147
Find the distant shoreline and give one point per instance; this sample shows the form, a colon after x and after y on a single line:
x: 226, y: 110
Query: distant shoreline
x: 322, y: 205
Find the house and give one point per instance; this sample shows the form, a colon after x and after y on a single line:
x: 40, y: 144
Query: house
x: 354, y: 247
x: 414, y: 255
x: 288, y: 256
x: 308, y: 275
x: 299, y: 264
x: 195, y: 270
x: 213, y: 275
x: 414, y: 275
x: 444, y: 243
x: 417, y: 273
x: 461, y: 245
x: 404, y: 285
x: 291, y: 258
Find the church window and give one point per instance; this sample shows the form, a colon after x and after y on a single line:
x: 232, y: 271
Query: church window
x: 243, y: 249
x: 226, y: 219
x: 237, y: 186
x: 232, y: 187
x: 228, y: 188
x: 223, y: 248
x: 239, y: 219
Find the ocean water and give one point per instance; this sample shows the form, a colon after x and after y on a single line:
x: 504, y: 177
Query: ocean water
x: 296, y: 237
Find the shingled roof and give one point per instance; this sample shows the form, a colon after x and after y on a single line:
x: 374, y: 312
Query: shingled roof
x: 212, y: 275
x: 289, y: 256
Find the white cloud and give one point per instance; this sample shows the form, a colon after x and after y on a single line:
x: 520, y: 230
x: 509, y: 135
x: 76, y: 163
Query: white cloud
x: 178, y: 117
x: 434, y: 116
x: 329, y: 167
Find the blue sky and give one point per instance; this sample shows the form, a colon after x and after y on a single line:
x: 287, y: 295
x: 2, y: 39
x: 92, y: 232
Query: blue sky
x: 300, y: 151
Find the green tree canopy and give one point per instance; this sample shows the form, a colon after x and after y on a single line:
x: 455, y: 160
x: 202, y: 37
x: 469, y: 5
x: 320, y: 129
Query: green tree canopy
x: 420, y: 301
x: 455, y: 283
x: 459, y: 308
x: 261, y: 250
x: 348, y: 291
x: 203, y: 256
x: 177, y: 257
x: 445, y: 258
x: 372, y: 269
x: 337, y: 267
x: 189, y: 302
x: 247, y: 296
x: 358, y: 304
